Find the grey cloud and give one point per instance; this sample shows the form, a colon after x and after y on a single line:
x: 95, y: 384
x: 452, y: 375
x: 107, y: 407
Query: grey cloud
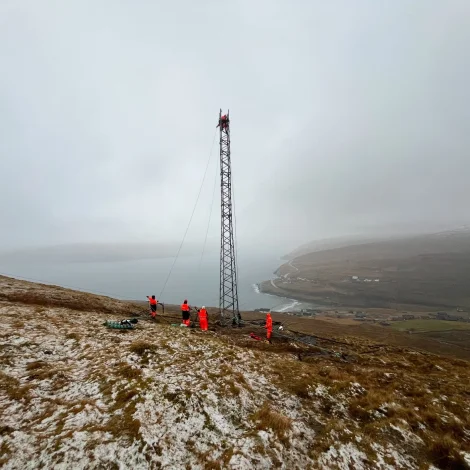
x: 346, y: 117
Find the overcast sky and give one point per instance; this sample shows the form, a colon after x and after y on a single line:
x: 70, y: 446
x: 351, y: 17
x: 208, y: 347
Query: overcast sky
x: 347, y: 117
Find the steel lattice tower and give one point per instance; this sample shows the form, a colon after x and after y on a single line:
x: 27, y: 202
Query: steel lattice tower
x: 228, y: 300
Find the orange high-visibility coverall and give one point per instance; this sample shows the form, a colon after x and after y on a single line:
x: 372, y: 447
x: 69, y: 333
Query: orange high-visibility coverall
x: 185, y: 311
x: 269, y: 326
x: 153, y: 306
x: 203, y: 319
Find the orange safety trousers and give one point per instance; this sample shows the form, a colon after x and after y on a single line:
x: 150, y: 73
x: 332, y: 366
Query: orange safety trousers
x: 203, y: 323
x: 269, y: 326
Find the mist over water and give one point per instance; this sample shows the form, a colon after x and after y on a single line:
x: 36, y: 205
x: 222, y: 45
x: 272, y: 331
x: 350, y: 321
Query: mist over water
x: 134, y: 280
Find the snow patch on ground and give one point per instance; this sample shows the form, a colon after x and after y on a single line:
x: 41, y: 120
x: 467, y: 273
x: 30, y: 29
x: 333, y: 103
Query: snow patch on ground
x: 191, y: 404
x: 343, y: 457
x: 408, y: 436
x: 73, y: 395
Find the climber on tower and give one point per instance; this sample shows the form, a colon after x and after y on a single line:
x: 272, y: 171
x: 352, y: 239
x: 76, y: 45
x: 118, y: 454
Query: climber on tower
x: 223, y: 122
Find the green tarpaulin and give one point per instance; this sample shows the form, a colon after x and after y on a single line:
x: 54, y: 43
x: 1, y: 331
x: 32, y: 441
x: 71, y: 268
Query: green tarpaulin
x: 118, y: 325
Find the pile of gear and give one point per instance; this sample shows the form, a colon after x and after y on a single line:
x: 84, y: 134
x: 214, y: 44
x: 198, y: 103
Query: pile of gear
x: 121, y: 325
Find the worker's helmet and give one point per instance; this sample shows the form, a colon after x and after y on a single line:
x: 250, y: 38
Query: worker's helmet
x: 203, y: 307
x: 153, y: 297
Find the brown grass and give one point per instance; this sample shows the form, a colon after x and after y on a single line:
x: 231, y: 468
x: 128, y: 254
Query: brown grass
x: 127, y: 371
x: 266, y: 418
x: 444, y: 453
x: 40, y: 370
x: 123, y: 397
x: 36, y: 365
x: 362, y: 408
x: 227, y: 455
x: 142, y: 347
x: 233, y: 389
x: 45, y: 296
x: 301, y: 387
x: 13, y: 388
x: 211, y: 465
x: 240, y: 381
x: 5, y: 452
x: 388, y: 373
x: 124, y: 424
x: 327, y: 434
x: 435, y: 420
x: 5, y: 430
x: 81, y: 404
x: 122, y: 409
x: 74, y: 336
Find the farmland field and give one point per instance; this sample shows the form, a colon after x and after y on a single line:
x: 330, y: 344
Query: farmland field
x: 430, y: 325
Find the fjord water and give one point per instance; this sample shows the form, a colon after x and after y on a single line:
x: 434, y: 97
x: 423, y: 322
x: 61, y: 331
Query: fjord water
x: 133, y: 280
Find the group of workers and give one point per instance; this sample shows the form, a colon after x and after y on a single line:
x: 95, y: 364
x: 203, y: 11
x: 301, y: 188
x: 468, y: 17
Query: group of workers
x: 185, y: 313
x: 201, y: 312
x: 202, y: 315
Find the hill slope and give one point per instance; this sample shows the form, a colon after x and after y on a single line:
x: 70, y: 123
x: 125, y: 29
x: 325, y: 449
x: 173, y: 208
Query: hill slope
x: 328, y: 244
x: 74, y: 394
x: 431, y: 270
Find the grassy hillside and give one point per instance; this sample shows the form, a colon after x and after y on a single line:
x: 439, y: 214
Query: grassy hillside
x: 329, y: 244
x: 431, y: 271
x: 430, y: 325
x: 74, y: 394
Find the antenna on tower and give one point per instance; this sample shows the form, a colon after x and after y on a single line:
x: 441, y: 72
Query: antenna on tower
x: 228, y: 299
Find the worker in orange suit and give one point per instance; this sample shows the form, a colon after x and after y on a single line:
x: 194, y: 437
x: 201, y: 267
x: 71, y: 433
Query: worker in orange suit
x: 269, y: 326
x: 153, y: 305
x: 186, y: 313
x: 203, y: 319
x: 223, y: 122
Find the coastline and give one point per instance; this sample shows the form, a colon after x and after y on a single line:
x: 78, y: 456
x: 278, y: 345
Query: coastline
x: 269, y: 288
x: 289, y: 304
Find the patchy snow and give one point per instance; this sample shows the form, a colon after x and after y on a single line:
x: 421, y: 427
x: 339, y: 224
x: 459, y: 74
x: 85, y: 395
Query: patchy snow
x: 187, y: 401
x: 74, y: 394
x: 357, y: 389
x: 389, y: 452
x: 343, y: 457
x: 406, y: 434
x: 466, y: 456
x: 321, y: 391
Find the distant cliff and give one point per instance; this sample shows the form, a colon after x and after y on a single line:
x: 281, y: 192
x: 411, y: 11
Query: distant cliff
x: 428, y: 270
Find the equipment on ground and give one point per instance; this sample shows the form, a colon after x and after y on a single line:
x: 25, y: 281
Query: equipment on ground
x: 257, y: 338
x: 121, y: 325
